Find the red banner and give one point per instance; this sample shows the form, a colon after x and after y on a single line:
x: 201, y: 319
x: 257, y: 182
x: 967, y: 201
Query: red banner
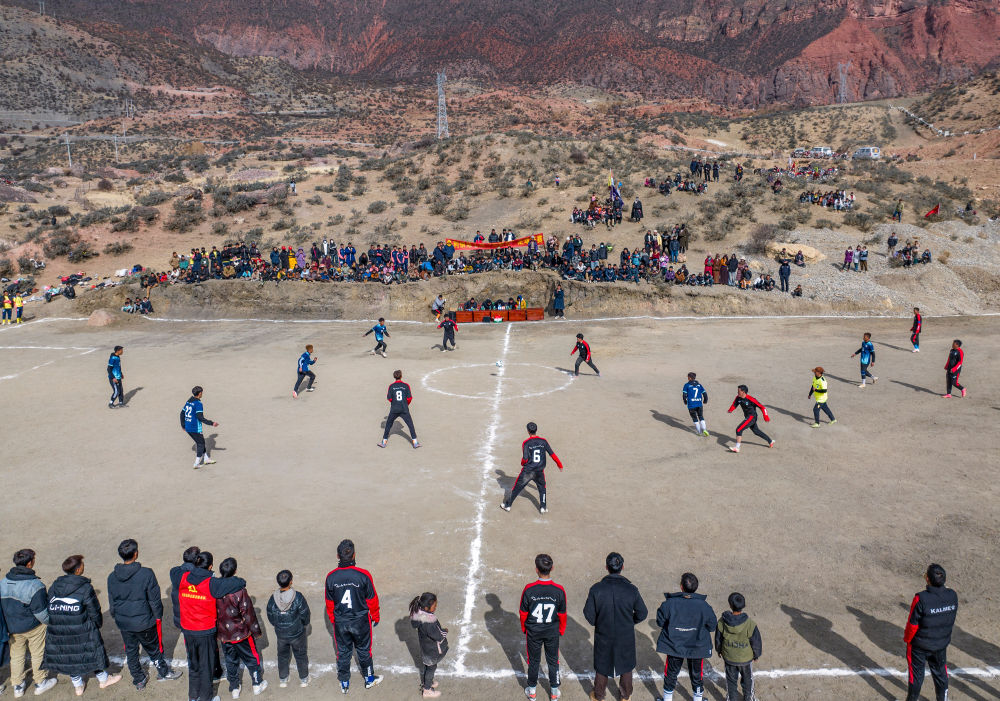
x: 523, y: 241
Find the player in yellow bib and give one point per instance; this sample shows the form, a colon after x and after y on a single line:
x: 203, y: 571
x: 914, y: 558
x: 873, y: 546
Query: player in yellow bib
x: 18, y: 307
x: 8, y: 308
x: 819, y: 391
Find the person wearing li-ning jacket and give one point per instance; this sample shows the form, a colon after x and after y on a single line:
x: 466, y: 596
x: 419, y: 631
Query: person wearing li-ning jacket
x: 614, y: 607
x: 197, y: 592
x: 237, y: 625
x: 687, y: 623
x: 73, y: 643
x: 928, y: 634
x: 134, y: 604
x: 353, y: 609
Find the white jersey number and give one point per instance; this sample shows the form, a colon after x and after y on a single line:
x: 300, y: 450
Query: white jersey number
x: 542, y: 613
x: 399, y: 395
x: 346, y: 600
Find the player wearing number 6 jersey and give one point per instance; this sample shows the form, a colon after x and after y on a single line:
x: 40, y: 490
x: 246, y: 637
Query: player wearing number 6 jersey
x: 352, y: 606
x: 533, y: 452
x: 543, y: 621
x: 399, y: 398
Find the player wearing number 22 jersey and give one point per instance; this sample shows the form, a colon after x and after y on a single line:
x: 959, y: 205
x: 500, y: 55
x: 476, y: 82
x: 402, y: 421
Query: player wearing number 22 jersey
x: 533, y: 452
x: 543, y: 621
x: 352, y: 606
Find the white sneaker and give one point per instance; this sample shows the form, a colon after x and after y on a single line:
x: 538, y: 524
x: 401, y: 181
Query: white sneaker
x: 208, y: 461
x: 236, y: 693
x: 382, y: 443
x: 555, y: 693
x: 257, y: 688
x: 874, y: 379
x: 416, y: 443
x: 543, y: 510
x: 304, y: 682
x: 295, y: 395
x: 861, y: 386
x: 197, y: 464
x: 19, y: 690
x: 383, y: 354
x: 283, y: 683
x: 45, y: 686
x: 504, y: 506
x: 529, y: 691
x: 734, y: 449
x: 310, y: 389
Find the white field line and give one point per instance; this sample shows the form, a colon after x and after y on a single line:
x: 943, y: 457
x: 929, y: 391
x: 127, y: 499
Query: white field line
x: 83, y: 351
x: 475, y: 562
x: 320, y: 670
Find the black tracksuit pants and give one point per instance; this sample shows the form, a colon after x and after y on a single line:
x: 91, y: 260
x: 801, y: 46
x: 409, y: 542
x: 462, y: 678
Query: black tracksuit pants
x: 917, y: 660
x: 580, y: 361
x: 149, y: 640
x: 287, y: 648
x: 350, y: 637
x: 750, y: 423
x: 244, y: 651
x: 202, y: 657
x: 449, y: 337
x: 951, y: 380
x: 199, y: 443
x: 696, y: 668
x: 117, y: 393
x: 391, y: 419
x: 524, y: 478
x: 303, y: 375
x: 734, y: 673
x: 535, y: 644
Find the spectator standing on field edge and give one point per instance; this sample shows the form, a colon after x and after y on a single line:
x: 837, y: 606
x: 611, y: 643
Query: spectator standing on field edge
x: 25, y: 605
x: 737, y: 640
x: 288, y: 612
x: 237, y: 627
x: 353, y: 608
x: 134, y: 604
x: 687, y: 623
x: 928, y: 634
x: 614, y: 607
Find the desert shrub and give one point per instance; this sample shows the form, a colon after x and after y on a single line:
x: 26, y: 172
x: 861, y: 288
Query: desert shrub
x: 59, y: 210
x: 716, y: 233
x: 60, y: 243
x: 104, y: 185
x: 377, y: 207
x: 186, y: 216
x: 117, y: 248
x: 175, y: 177
x: 459, y: 212
x: 760, y: 236
x: 153, y: 198
x: 859, y: 220
x: 146, y: 214
x: 315, y: 200
x: 943, y: 257
x: 24, y: 265
x: 239, y: 203
x: 129, y: 223
x: 408, y: 211
x: 7, y: 268
x: 81, y: 252
x: 283, y: 223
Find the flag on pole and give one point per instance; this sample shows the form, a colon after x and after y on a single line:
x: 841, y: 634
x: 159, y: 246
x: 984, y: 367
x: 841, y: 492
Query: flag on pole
x: 612, y: 190
x: 937, y: 208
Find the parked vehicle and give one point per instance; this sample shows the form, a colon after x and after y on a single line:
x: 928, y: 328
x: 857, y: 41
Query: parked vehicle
x: 868, y: 153
x: 821, y: 152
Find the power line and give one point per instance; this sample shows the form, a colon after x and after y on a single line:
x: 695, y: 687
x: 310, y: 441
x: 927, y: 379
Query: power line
x: 442, y: 132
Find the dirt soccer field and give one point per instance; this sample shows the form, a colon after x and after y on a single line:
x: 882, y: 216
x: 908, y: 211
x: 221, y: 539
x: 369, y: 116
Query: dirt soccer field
x: 827, y: 534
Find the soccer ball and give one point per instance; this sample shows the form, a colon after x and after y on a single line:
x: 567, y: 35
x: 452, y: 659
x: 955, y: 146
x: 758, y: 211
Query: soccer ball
x: 499, y: 363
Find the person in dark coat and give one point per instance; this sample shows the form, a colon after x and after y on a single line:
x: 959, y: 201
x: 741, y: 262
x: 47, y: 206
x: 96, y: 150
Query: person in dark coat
x: 687, y: 623
x: 288, y: 612
x: 637, y: 210
x: 3, y: 643
x: 237, y: 627
x: 928, y: 633
x: 73, y: 642
x: 614, y: 607
x: 559, y: 301
x: 134, y: 604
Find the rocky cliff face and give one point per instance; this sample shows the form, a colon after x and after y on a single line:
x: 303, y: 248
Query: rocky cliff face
x: 740, y: 53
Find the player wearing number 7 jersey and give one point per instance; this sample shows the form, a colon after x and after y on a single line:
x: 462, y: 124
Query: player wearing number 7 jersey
x: 352, y: 606
x: 543, y: 621
x: 399, y: 398
x: 533, y: 452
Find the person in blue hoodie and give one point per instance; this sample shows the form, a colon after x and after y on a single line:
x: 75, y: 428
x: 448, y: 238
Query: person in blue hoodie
x: 305, y: 360
x: 687, y: 623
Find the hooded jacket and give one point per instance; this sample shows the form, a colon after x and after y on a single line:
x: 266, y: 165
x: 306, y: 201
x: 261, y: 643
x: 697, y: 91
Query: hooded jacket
x: 175, y: 578
x: 289, y: 613
x: 687, y: 623
x: 73, y: 643
x: 237, y: 619
x: 737, y: 639
x: 134, y: 597
x: 218, y: 588
x: 433, y: 638
x: 23, y: 600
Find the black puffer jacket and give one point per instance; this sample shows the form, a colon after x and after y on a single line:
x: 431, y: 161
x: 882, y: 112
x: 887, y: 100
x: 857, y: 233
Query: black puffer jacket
x: 289, y: 618
x: 73, y: 643
x: 134, y: 597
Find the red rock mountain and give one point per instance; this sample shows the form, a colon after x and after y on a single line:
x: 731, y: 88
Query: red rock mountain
x: 738, y: 53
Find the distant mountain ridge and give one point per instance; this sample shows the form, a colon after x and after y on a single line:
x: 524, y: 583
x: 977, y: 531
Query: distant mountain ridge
x: 735, y: 53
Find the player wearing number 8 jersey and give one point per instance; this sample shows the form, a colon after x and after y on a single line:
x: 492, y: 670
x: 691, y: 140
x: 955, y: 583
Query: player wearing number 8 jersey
x: 533, y: 452
x: 352, y: 606
x: 399, y: 398
x: 543, y: 621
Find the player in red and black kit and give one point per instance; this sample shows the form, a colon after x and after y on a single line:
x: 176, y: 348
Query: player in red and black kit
x: 918, y: 323
x: 352, y: 606
x: 583, y: 348
x: 450, y: 326
x: 749, y: 405
x: 543, y: 621
x: 953, y: 368
x: 533, y: 452
x: 399, y: 398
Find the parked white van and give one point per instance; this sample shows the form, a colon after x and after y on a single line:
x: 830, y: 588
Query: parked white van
x: 821, y: 152
x: 868, y: 153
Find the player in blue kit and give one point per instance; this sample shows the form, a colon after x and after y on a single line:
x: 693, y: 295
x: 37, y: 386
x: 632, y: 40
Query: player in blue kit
x: 192, y: 418
x: 695, y: 398
x: 381, y: 333
x: 867, y: 353
x: 115, y: 377
x: 305, y: 360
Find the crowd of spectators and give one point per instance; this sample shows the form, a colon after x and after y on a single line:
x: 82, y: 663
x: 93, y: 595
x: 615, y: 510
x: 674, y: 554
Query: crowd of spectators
x: 907, y: 256
x: 838, y: 199
x: 137, y: 306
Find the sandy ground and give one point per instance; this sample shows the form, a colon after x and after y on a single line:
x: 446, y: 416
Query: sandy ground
x: 827, y: 534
